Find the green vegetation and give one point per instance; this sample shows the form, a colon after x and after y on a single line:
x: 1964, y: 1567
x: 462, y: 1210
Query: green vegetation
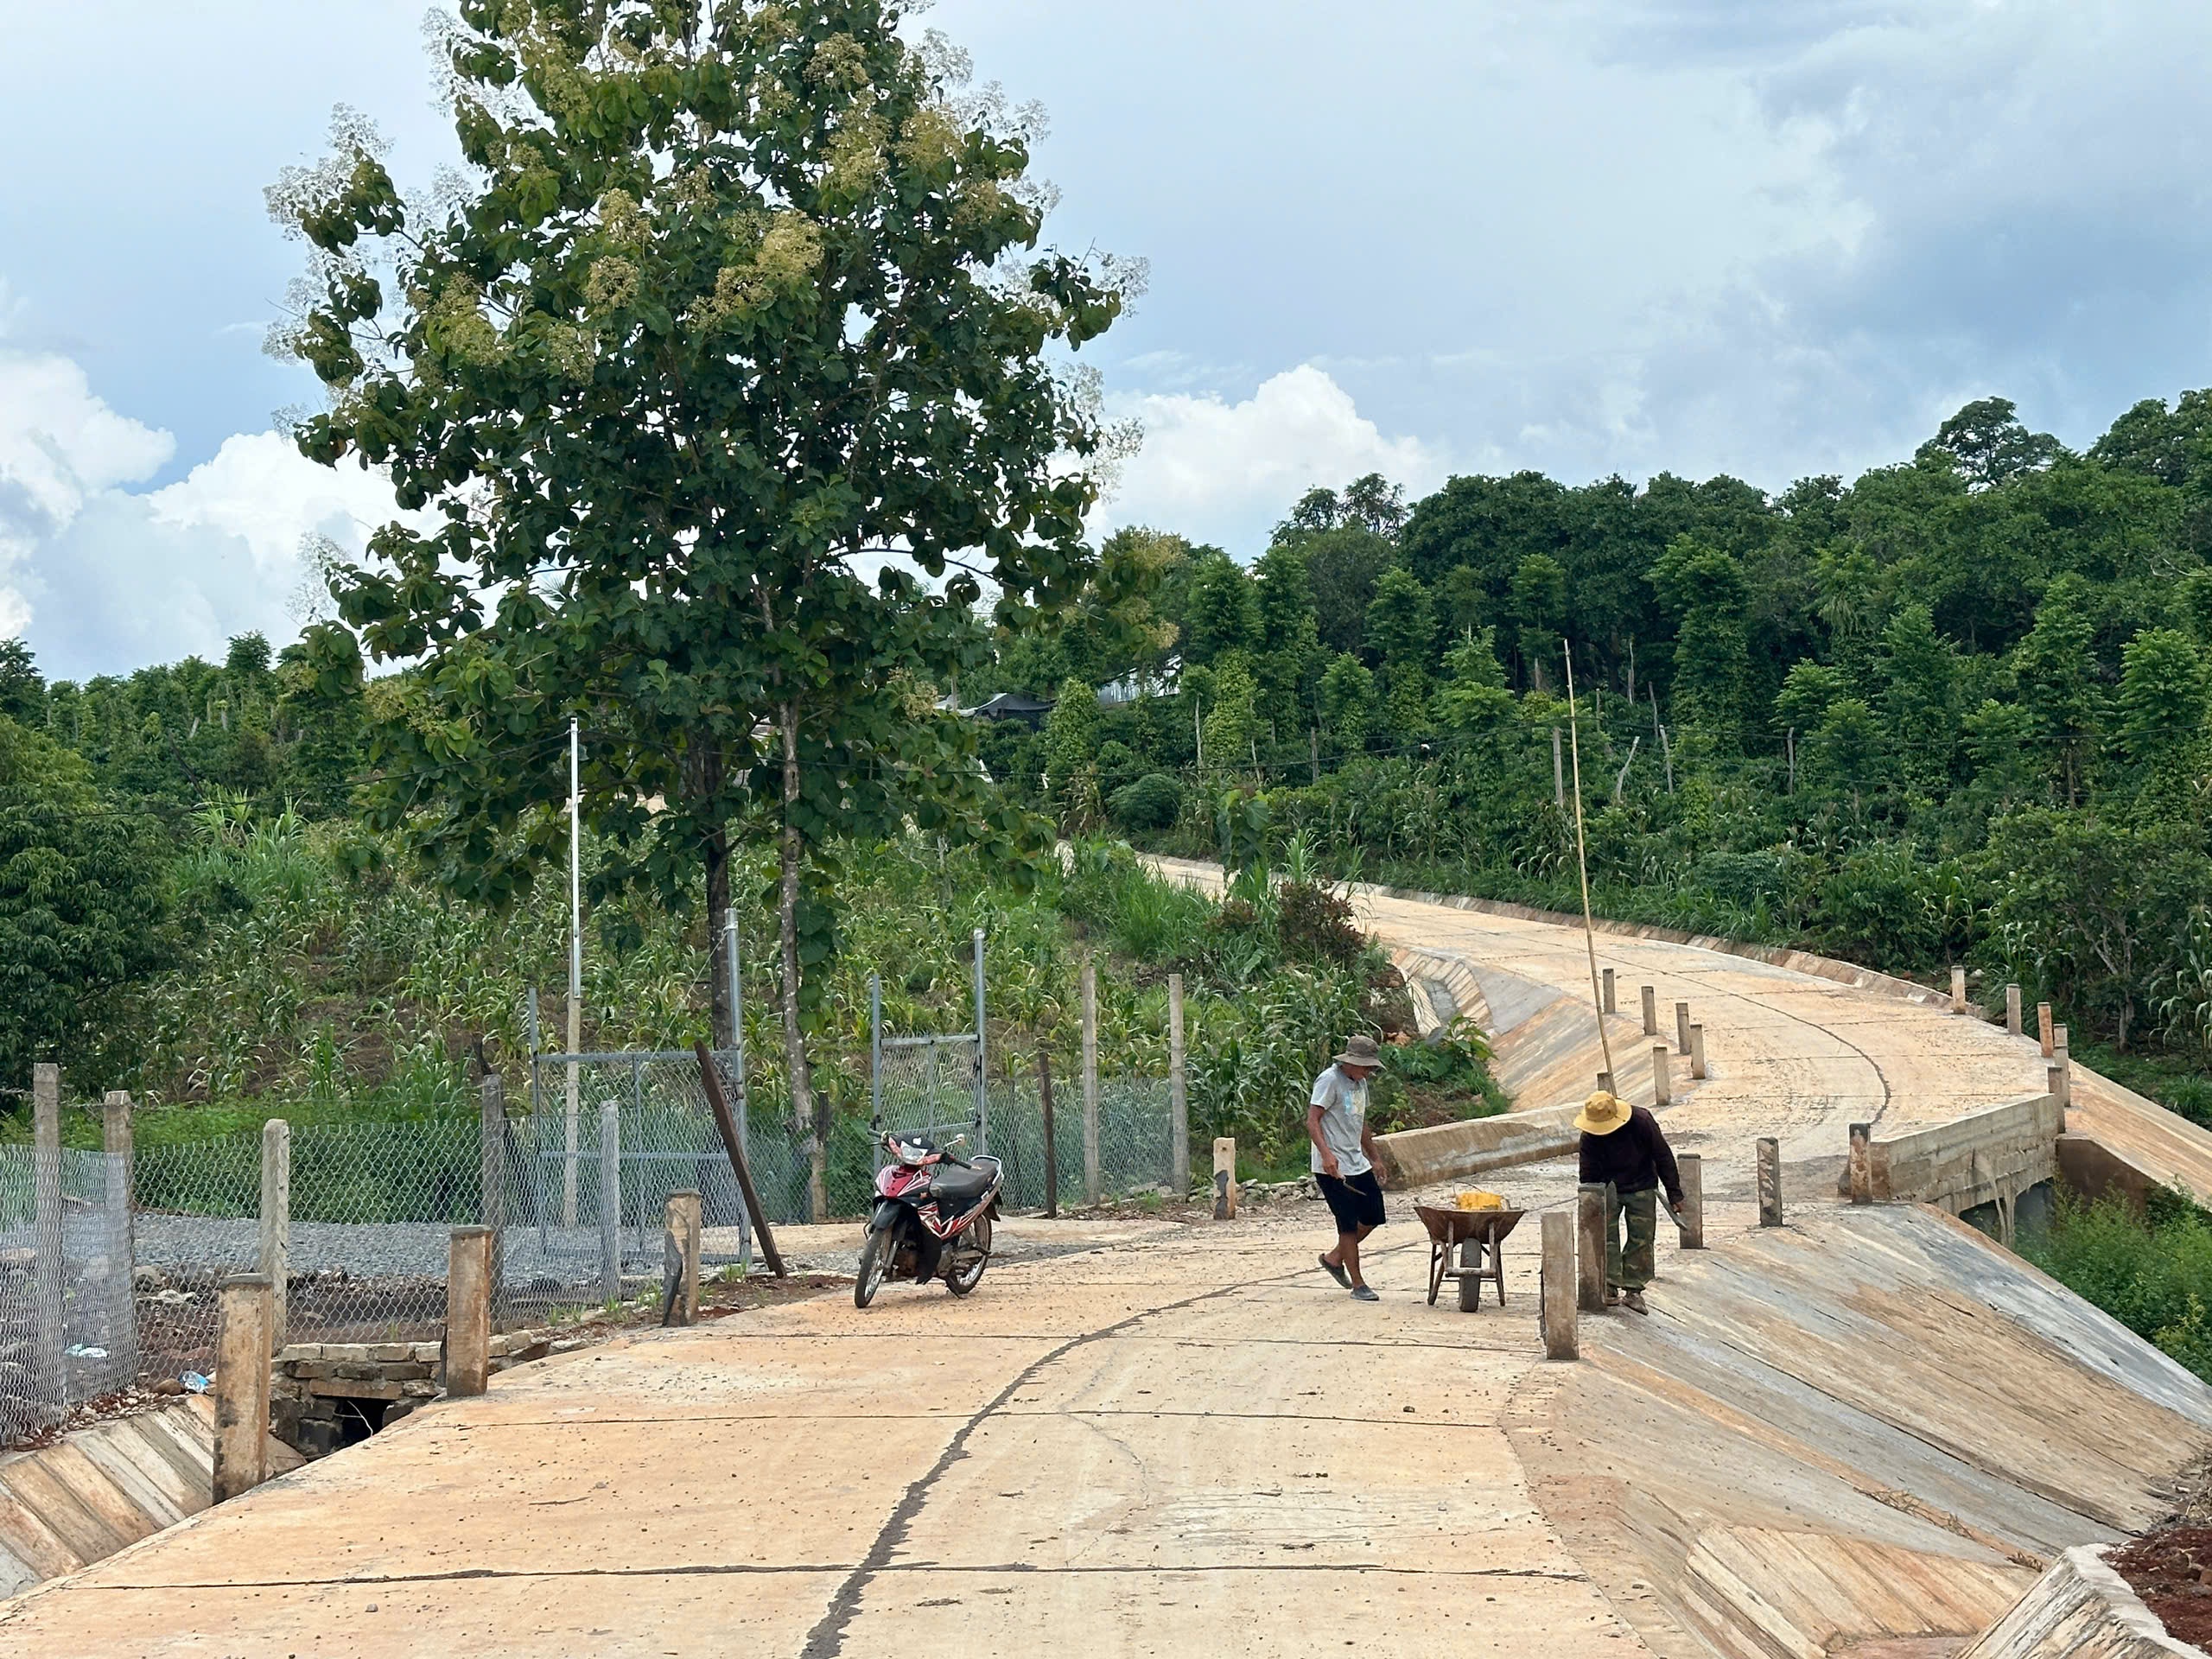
x: 2153, y: 1273
x: 1954, y: 711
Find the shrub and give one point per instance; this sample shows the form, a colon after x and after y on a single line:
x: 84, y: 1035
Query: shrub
x: 1151, y: 802
x: 2151, y: 1273
x: 1317, y: 925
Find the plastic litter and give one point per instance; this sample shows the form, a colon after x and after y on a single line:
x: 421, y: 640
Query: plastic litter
x: 195, y: 1381
x: 79, y: 1350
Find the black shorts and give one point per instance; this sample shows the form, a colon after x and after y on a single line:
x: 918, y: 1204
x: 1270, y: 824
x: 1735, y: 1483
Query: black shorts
x: 1354, y: 1200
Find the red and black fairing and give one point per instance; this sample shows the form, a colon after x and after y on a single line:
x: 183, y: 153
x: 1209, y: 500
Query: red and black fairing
x: 930, y: 1202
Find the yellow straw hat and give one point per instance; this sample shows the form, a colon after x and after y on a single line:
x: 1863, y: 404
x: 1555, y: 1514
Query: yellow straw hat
x: 1602, y: 1114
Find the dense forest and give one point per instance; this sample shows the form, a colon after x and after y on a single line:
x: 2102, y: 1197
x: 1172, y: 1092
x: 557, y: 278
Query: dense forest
x: 1954, y: 710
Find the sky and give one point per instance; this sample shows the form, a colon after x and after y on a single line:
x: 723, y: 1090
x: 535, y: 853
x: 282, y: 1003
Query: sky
x: 1767, y: 237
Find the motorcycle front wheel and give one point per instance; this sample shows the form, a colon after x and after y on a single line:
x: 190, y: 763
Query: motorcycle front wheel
x: 875, y: 1256
x: 968, y: 1271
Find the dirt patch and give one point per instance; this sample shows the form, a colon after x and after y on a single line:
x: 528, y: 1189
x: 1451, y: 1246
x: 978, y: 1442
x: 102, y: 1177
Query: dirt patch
x: 2171, y: 1571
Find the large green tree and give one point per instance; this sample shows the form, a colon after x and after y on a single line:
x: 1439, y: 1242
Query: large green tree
x: 726, y: 377
x: 82, y: 899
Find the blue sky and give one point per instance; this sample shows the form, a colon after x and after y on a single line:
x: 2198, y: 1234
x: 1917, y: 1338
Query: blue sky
x: 1420, y: 236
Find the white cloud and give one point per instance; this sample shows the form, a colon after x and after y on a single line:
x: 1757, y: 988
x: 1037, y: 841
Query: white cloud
x: 99, y: 578
x: 1225, y: 472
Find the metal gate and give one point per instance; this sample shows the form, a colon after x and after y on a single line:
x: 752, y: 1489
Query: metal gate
x: 930, y: 1085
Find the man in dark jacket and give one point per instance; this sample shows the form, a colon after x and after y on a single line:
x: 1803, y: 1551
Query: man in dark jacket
x: 1623, y: 1151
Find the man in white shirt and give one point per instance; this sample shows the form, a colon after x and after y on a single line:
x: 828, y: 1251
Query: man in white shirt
x: 1344, y: 1157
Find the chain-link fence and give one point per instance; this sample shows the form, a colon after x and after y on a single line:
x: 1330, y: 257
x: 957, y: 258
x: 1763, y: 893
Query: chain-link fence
x: 369, y: 1214
x: 610, y: 1137
x: 65, y: 1284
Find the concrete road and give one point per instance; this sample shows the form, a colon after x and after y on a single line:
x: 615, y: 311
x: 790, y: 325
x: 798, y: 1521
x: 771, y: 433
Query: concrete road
x: 1868, y: 1427
x: 1186, y: 1441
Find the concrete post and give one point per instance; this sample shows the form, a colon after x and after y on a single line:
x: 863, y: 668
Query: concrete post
x: 1225, y: 1178
x: 122, y: 1208
x: 684, y: 1218
x: 277, y: 1223
x: 1093, y: 1188
x: 1559, y: 1279
x: 1651, y: 1010
x: 1681, y: 1027
x: 1958, y: 989
x: 491, y: 1103
x: 2061, y: 1081
x: 48, y: 1284
x: 1770, y: 1181
x: 2013, y: 1009
x: 1862, y: 1163
x: 1690, y: 1166
x: 1662, y: 1080
x: 1697, y: 1052
x: 1612, y: 1001
x: 1590, y: 1249
x: 242, y: 1325
x: 2043, y: 1028
x: 468, y: 1311
x: 2059, y: 1042
x: 1179, y: 1095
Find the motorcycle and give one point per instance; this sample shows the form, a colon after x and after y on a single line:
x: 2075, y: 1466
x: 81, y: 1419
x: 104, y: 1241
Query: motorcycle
x: 933, y: 1210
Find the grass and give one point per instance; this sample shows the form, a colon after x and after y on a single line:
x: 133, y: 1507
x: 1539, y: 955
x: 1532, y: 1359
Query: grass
x: 2151, y: 1271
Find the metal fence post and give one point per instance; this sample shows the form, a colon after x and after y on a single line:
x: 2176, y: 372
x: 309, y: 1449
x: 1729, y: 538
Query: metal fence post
x: 276, y: 1223
x: 875, y: 1060
x: 737, y: 1060
x: 1051, y: 1146
x: 492, y: 1105
x: 1179, y: 1095
x: 1092, y: 1188
x: 610, y: 1199
x: 122, y: 1235
x: 46, y: 1203
x: 983, y: 1057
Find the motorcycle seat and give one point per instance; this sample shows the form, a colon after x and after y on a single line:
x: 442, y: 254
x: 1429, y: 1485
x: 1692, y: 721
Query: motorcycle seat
x: 960, y: 1188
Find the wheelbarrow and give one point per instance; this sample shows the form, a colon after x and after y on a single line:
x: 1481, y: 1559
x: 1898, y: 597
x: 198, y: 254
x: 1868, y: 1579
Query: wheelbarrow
x: 1478, y: 1237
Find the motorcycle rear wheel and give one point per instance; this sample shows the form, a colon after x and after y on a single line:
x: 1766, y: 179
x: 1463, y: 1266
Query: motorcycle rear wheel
x: 875, y: 1256
x: 962, y: 1279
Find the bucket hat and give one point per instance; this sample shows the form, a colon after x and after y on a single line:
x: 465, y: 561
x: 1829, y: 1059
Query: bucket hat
x: 1602, y: 1114
x: 1361, y: 1049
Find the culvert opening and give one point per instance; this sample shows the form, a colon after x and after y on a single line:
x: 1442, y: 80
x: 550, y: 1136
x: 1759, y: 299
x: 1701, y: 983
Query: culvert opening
x: 358, y: 1420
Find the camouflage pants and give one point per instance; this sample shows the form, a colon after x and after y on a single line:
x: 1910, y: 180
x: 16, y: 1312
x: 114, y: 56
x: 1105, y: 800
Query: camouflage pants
x: 1631, y: 1266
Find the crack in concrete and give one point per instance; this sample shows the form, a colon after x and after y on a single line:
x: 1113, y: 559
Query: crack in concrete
x: 721, y: 1569
x: 826, y: 1639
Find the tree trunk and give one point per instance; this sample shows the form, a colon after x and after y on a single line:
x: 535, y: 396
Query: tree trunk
x: 804, y: 1114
